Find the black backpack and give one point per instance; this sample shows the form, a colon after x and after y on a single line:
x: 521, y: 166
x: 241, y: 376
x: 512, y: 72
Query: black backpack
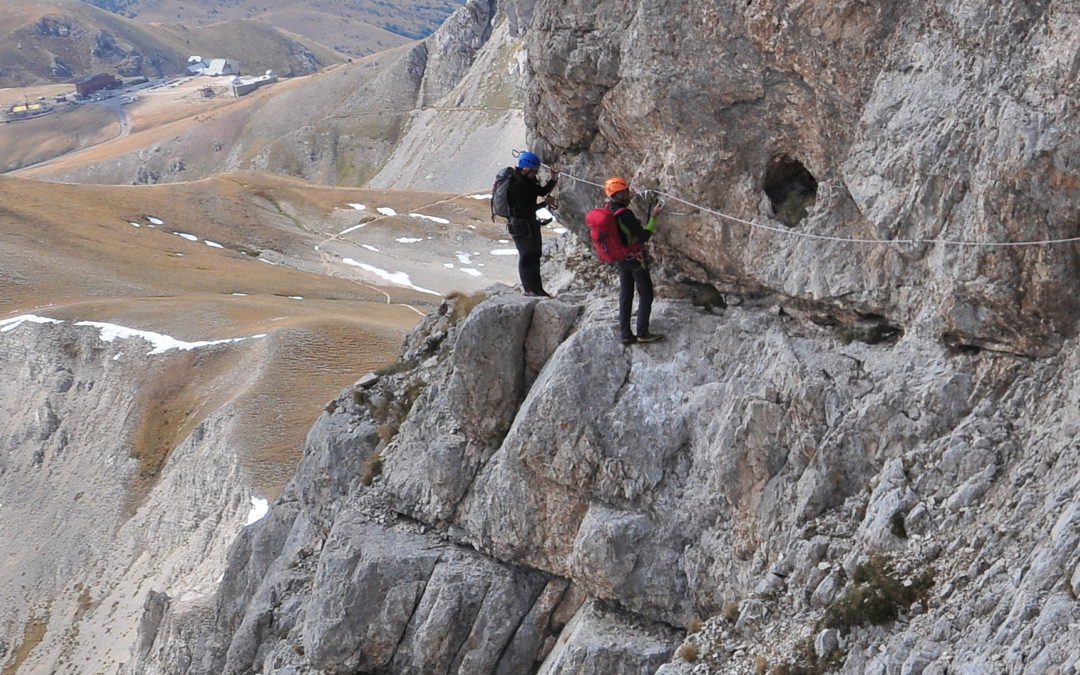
x: 500, y: 204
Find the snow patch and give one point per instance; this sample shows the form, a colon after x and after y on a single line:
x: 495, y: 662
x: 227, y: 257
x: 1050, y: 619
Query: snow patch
x: 14, y: 322
x: 354, y: 227
x: 504, y: 251
x: 185, y: 235
x: 358, y: 207
x: 472, y: 272
x: 436, y: 219
x: 409, y: 240
x: 212, y: 244
x: 370, y: 247
x: 154, y: 220
x: 161, y: 343
x: 386, y: 211
x: 259, y: 508
x: 395, y: 278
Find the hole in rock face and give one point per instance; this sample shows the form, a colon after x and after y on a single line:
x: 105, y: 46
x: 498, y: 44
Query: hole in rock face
x: 791, y: 189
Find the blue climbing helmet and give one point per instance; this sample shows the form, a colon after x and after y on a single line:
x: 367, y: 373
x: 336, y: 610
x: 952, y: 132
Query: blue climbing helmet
x: 528, y: 160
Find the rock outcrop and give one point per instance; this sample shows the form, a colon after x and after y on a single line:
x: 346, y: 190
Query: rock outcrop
x: 753, y: 468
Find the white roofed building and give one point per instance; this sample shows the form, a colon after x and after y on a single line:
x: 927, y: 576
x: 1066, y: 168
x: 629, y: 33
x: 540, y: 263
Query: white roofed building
x: 223, y: 67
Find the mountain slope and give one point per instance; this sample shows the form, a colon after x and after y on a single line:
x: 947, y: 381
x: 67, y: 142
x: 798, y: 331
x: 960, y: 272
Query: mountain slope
x: 63, y: 40
x: 417, y: 116
x: 355, y: 27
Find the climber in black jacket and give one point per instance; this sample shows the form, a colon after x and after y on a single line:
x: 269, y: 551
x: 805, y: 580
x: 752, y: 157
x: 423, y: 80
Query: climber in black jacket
x: 523, y: 193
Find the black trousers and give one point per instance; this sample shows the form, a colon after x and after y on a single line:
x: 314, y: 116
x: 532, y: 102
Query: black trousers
x: 527, y: 239
x: 633, y: 273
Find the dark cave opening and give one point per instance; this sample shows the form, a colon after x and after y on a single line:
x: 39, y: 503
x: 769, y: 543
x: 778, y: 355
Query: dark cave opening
x: 791, y: 189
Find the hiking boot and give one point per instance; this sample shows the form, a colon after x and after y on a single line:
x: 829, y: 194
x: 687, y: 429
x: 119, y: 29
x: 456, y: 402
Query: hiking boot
x: 629, y: 339
x: 649, y: 337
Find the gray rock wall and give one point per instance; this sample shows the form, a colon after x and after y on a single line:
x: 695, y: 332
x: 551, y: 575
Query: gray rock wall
x: 942, y: 121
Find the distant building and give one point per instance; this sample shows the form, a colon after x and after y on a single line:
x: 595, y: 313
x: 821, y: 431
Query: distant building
x: 240, y: 87
x: 197, y: 65
x: 92, y: 83
x: 218, y: 67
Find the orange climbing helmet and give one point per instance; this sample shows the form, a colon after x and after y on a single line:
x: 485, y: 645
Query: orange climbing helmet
x: 615, y: 184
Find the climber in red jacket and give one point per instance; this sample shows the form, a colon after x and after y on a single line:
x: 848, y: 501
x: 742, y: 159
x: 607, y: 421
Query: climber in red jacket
x: 634, y: 270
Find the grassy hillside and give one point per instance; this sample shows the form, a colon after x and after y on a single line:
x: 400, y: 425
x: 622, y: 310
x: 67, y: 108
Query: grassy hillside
x: 355, y: 27
x: 29, y: 141
x: 335, y: 126
x: 46, y: 41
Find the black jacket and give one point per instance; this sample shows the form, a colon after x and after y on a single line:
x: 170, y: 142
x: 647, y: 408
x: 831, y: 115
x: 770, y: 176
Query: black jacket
x: 630, y: 228
x: 524, y: 193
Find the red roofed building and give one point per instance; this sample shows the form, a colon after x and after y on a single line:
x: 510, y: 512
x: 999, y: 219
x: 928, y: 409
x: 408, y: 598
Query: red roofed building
x: 88, y: 85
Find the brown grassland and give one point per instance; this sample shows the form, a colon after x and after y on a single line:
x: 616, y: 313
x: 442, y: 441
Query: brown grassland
x: 73, y: 252
x: 67, y: 129
x: 112, y: 253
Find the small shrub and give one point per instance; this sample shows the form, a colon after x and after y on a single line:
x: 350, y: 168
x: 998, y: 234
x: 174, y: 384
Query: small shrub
x: 397, y: 367
x: 464, y: 304
x: 876, y: 596
x: 331, y: 407
x: 387, y: 431
x: 761, y: 665
x: 846, y: 334
x: 694, y: 626
x: 689, y: 652
x: 731, y: 611
x: 372, y: 468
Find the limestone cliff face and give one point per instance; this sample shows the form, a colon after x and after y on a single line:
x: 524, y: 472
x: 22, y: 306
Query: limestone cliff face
x: 828, y: 420
x: 919, y: 122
